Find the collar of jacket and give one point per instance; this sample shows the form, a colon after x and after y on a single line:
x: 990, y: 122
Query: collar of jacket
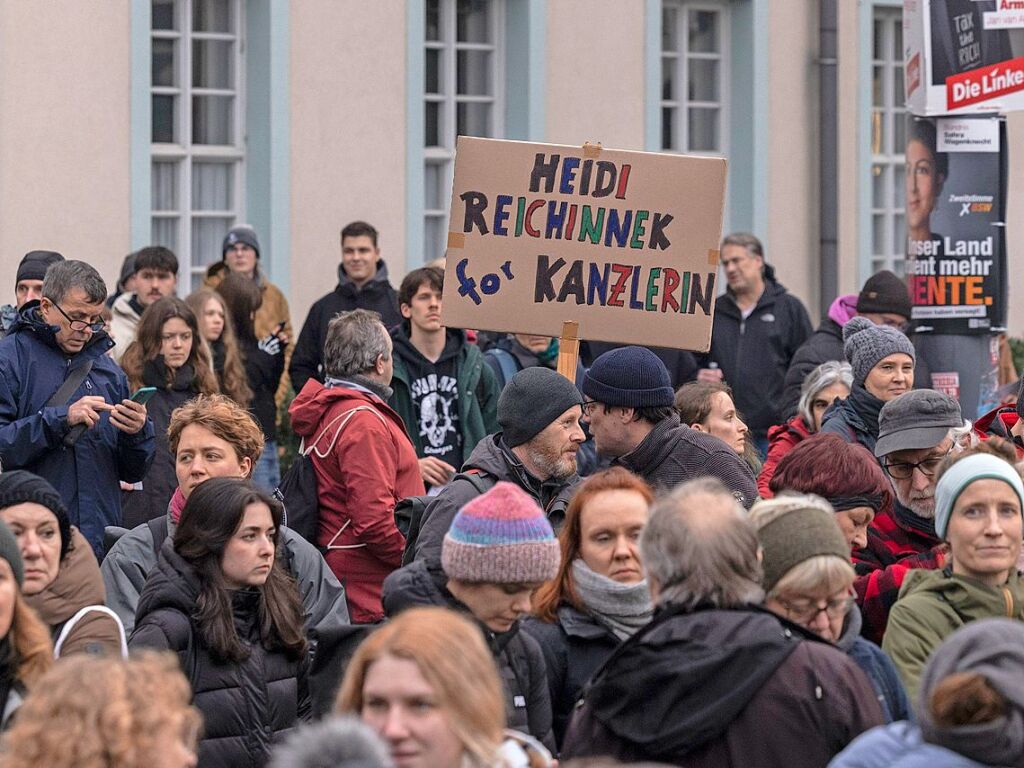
x: 577, y: 623
x: 380, y: 277
x: 31, y: 319
x: 772, y: 290
x: 645, y: 455
x: 909, y: 521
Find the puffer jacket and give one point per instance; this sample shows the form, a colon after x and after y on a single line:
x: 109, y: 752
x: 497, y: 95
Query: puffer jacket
x: 368, y: 470
x: 247, y: 706
x: 377, y: 295
x: 32, y: 369
x: 493, y: 461
x: 997, y: 423
x: 782, y: 438
x: 574, y: 648
x: 878, y: 667
x: 78, y: 584
x: 898, y: 745
x: 932, y: 606
x: 519, y: 658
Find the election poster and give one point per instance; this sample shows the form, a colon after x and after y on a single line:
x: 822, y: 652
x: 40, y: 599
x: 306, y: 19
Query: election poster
x: 963, y: 55
x: 956, y: 255
x: 624, y: 243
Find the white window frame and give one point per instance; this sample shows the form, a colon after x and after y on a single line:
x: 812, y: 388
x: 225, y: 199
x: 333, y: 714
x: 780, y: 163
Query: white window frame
x: 679, y: 60
x: 184, y: 153
x: 887, y: 155
x: 444, y: 156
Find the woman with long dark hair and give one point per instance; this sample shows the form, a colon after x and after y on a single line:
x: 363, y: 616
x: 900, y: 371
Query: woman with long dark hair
x: 264, y: 366
x: 222, y: 600
x: 167, y: 354
x: 218, y: 332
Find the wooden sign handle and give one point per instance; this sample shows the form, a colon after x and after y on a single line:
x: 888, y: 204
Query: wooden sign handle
x: 569, y: 349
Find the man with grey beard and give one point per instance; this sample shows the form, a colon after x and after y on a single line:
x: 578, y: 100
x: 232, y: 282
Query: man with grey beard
x: 917, y: 430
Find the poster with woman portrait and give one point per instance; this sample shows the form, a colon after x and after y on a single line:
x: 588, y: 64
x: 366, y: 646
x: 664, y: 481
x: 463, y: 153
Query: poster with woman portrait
x: 955, y: 191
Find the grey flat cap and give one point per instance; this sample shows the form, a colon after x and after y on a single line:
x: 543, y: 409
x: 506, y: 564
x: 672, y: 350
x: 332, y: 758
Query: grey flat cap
x: 917, y: 419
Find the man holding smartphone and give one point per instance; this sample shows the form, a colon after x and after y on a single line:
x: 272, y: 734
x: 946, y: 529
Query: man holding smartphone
x: 65, y: 412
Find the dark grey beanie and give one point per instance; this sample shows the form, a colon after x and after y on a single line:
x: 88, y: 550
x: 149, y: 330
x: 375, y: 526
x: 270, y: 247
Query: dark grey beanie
x: 10, y: 552
x: 531, y: 400
x: 865, y: 343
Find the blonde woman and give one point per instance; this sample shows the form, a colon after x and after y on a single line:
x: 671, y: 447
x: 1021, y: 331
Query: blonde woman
x: 427, y: 684
x: 94, y: 712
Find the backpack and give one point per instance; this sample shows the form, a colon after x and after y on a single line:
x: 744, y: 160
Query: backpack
x: 508, y: 366
x: 409, y: 511
x: 299, y: 490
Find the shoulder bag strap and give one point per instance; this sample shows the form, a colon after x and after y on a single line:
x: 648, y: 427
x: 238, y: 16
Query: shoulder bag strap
x: 70, y: 385
x: 78, y: 617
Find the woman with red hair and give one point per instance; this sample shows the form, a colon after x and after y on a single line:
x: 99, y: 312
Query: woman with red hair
x: 599, y: 597
x: 845, y: 474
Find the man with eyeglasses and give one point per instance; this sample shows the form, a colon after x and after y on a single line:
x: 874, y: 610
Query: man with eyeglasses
x: 917, y: 430
x: 883, y: 300
x: 64, y: 408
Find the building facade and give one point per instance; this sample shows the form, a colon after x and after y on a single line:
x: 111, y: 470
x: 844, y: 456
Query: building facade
x: 132, y: 122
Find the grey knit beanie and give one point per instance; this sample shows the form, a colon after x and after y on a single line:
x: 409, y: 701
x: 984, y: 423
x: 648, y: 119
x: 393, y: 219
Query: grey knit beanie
x: 531, y: 400
x: 865, y: 343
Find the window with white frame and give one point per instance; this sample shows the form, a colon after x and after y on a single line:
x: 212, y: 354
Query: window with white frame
x: 464, y: 71
x: 694, y: 80
x: 888, y: 140
x: 198, y: 131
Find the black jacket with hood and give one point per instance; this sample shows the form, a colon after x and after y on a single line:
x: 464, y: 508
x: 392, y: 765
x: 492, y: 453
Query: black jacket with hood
x: 376, y: 295
x: 247, y: 706
x: 493, y: 461
x: 723, y: 688
x: 519, y: 658
x: 754, y: 353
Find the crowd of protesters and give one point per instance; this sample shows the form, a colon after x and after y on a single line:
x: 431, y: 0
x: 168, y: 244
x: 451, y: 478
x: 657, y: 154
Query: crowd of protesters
x: 786, y: 551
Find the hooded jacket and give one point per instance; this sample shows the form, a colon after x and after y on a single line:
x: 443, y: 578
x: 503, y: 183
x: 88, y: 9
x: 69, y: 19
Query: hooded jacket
x: 754, y: 353
x: 77, y: 585
x: 574, y: 648
x: 32, y: 369
x: 722, y: 688
x: 878, y: 667
x: 125, y: 314
x: 376, y: 295
x: 782, y: 438
x: 476, y: 389
x: 932, y: 606
x: 519, y: 659
x: 493, y: 461
x: 672, y: 453
x: 247, y: 706
x: 898, y: 745
x: 370, y: 468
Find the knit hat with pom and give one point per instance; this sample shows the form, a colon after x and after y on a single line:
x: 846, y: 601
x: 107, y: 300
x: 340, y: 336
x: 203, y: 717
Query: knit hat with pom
x: 501, y: 537
x: 865, y: 343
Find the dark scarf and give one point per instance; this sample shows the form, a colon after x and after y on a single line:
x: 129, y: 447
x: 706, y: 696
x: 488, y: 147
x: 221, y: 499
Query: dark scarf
x: 908, y: 520
x: 156, y: 374
x: 867, y: 406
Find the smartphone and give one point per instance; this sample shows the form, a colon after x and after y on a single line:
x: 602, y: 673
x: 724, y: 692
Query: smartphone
x: 143, y: 395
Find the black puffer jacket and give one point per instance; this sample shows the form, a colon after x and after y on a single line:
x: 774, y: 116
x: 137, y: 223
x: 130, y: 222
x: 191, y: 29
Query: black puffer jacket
x: 494, y: 462
x: 754, y: 352
x: 246, y: 706
x: 574, y: 648
x: 140, y: 506
x: 519, y: 658
x: 376, y: 295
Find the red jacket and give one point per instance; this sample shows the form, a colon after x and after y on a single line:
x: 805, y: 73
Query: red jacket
x: 781, y: 439
x: 363, y: 469
x: 997, y: 423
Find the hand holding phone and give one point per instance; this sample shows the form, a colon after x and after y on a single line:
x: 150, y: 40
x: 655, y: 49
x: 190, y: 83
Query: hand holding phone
x: 143, y: 395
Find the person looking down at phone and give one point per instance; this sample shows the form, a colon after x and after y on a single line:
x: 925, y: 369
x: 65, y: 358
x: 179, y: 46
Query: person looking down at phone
x: 167, y: 366
x: 64, y: 408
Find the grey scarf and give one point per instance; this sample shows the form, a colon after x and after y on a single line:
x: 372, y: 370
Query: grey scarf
x: 623, y: 608
x: 362, y: 383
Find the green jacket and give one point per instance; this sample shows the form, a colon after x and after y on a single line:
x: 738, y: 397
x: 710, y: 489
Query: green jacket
x: 934, y: 604
x: 478, y: 399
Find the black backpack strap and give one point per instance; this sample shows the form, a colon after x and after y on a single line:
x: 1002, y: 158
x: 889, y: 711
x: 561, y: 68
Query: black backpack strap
x: 160, y: 530
x: 481, y: 482
x: 70, y: 385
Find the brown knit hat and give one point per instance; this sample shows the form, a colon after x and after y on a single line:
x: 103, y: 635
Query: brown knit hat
x: 501, y: 537
x: 806, y: 527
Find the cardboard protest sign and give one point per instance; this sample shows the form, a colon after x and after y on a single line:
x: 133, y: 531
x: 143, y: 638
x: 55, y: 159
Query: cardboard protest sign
x: 956, y: 256
x: 623, y: 242
x: 963, y: 55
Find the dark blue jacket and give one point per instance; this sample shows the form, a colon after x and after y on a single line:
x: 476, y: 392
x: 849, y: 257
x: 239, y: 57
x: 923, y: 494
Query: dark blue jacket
x: 32, y: 368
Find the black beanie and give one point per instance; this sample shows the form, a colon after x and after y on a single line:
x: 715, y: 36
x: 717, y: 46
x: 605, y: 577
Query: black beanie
x: 531, y: 400
x: 11, y: 552
x: 34, y: 264
x: 884, y: 292
x: 240, y: 234
x: 20, y: 487
x: 631, y: 377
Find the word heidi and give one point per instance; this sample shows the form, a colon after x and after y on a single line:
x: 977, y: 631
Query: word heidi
x: 650, y: 289
x: 540, y: 217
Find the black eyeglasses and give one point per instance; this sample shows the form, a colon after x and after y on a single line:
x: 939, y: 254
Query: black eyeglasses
x: 904, y: 470
x: 806, y: 611
x: 588, y: 407
x: 81, y: 325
